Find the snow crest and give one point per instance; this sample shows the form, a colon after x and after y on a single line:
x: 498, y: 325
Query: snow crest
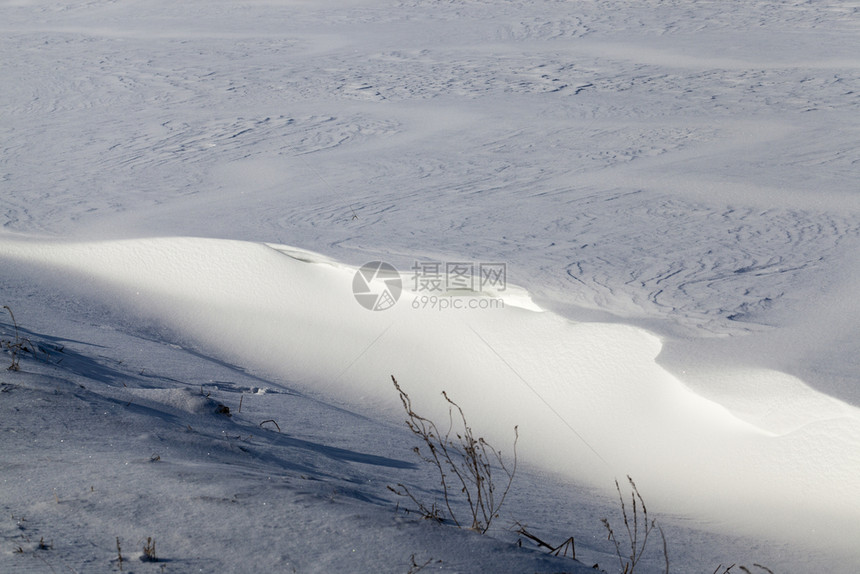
x: 589, y: 398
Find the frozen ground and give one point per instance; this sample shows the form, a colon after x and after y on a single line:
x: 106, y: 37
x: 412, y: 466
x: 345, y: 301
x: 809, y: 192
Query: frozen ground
x: 673, y: 185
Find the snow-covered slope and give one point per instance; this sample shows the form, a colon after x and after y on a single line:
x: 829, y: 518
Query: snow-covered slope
x: 589, y: 398
x: 672, y: 186
x: 115, y: 438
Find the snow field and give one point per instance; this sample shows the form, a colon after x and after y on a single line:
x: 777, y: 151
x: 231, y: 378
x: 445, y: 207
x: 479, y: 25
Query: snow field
x: 673, y: 182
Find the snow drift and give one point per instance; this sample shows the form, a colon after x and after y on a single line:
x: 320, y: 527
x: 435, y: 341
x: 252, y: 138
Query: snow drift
x: 590, y: 400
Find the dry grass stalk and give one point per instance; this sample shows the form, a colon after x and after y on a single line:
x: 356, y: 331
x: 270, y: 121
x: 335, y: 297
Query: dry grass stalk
x: 149, y: 550
x: 562, y: 549
x: 415, y: 567
x: 468, y: 467
x: 637, y: 535
x: 18, y: 346
x: 119, y: 554
x: 273, y: 422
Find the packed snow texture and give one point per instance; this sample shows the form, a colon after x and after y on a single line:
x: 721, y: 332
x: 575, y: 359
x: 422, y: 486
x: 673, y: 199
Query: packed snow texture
x: 672, y: 187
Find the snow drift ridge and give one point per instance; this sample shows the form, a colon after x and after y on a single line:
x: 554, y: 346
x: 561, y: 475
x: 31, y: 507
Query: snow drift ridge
x: 589, y: 398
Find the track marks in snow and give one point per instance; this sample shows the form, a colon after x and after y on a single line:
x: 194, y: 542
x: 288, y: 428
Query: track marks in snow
x: 120, y: 122
x: 696, y: 262
x: 530, y: 29
x: 106, y: 122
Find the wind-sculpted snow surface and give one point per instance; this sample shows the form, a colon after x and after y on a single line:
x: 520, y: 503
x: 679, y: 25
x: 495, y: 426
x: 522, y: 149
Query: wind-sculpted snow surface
x: 647, y: 159
x: 675, y: 182
x: 589, y: 398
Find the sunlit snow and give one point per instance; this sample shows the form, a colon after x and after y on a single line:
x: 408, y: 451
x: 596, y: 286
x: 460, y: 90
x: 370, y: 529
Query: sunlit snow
x: 188, y: 190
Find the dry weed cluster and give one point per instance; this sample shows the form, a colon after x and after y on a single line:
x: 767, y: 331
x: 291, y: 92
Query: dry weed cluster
x: 469, y: 468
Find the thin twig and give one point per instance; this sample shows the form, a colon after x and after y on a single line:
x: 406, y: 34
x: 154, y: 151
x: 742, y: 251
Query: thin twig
x: 271, y: 421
